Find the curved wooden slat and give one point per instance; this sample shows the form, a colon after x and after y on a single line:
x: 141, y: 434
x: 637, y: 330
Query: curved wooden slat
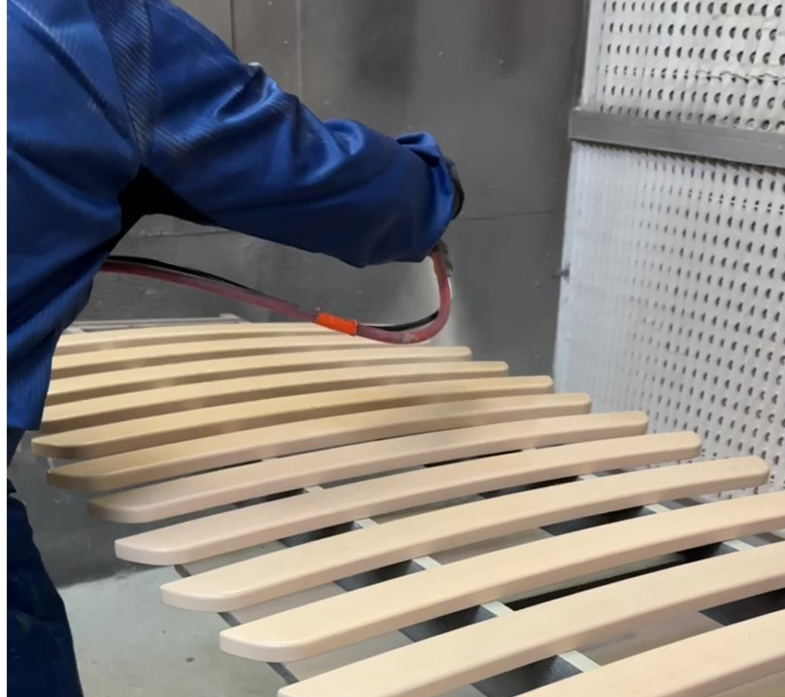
x: 201, y: 454
x: 190, y: 494
x: 290, y: 570
x: 479, y: 651
x: 156, y: 336
x: 226, y: 532
x: 700, y: 666
x: 143, y: 433
x: 136, y: 434
x: 167, y: 400
x: 368, y: 612
x: 137, y: 357
x: 118, y: 382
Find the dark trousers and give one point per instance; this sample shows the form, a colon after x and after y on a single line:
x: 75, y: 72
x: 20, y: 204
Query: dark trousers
x: 41, y: 660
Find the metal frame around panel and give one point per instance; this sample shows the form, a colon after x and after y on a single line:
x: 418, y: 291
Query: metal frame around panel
x: 738, y: 145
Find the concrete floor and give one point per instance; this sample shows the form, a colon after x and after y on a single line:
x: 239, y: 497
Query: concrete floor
x: 129, y: 644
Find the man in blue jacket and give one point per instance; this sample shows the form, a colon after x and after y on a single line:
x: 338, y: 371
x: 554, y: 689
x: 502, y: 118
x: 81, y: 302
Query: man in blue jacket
x: 120, y: 108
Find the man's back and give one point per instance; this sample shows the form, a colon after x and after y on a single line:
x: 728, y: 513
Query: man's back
x: 69, y: 154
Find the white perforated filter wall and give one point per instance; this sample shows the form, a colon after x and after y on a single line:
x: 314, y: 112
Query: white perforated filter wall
x: 709, y: 62
x: 675, y: 300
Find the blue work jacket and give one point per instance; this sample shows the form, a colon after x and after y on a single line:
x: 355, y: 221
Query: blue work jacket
x: 120, y: 108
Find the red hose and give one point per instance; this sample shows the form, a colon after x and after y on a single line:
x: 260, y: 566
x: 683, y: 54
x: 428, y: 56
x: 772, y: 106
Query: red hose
x: 282, y: 307
x: 417, y: 336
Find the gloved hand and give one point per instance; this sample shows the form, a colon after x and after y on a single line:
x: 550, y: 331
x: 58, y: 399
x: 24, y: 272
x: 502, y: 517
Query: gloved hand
x: 457, y: 187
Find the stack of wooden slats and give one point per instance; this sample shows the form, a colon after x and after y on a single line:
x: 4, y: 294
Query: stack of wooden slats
x: 302, y: 433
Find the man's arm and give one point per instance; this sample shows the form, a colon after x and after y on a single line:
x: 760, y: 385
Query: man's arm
x: 231, y: 144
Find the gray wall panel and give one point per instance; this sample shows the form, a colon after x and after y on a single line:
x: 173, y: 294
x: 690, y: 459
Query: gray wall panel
x: 505, y: 303
x: 267, y: 32
x: 214, y: 14
x: 491, y: 78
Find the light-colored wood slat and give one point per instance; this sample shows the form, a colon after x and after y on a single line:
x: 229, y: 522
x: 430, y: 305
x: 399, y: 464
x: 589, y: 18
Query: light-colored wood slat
x: 245, y: 527
x: 201, y: 454
x: 772, y: 685
x: 262, y: 578
x: 440, y: 484
x: 701, y: 666
x: 482, y: 650
x: 157, y: 336
x: 168, y: 400
x: 118, y: 382
x: 137, y: 357
x: 647, y: 636
x: 346, y: 619
x: 136, y: 434
x: 200, y: 492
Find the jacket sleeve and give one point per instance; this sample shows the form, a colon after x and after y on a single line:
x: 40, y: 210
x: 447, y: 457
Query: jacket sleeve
x: 250, y: 157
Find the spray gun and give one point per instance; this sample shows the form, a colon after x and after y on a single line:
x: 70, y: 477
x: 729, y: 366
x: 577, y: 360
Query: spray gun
x: 413, y: 332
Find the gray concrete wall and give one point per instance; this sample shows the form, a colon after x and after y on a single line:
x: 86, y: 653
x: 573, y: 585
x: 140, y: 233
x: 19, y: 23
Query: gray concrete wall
x: 492, y: 79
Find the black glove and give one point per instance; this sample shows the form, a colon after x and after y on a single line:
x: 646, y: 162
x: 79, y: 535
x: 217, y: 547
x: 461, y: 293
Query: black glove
x: 457, y: 188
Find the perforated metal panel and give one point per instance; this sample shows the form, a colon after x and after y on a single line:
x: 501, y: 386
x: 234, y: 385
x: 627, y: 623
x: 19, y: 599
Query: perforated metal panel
x: 707, y: 62
x: 675, y: 301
